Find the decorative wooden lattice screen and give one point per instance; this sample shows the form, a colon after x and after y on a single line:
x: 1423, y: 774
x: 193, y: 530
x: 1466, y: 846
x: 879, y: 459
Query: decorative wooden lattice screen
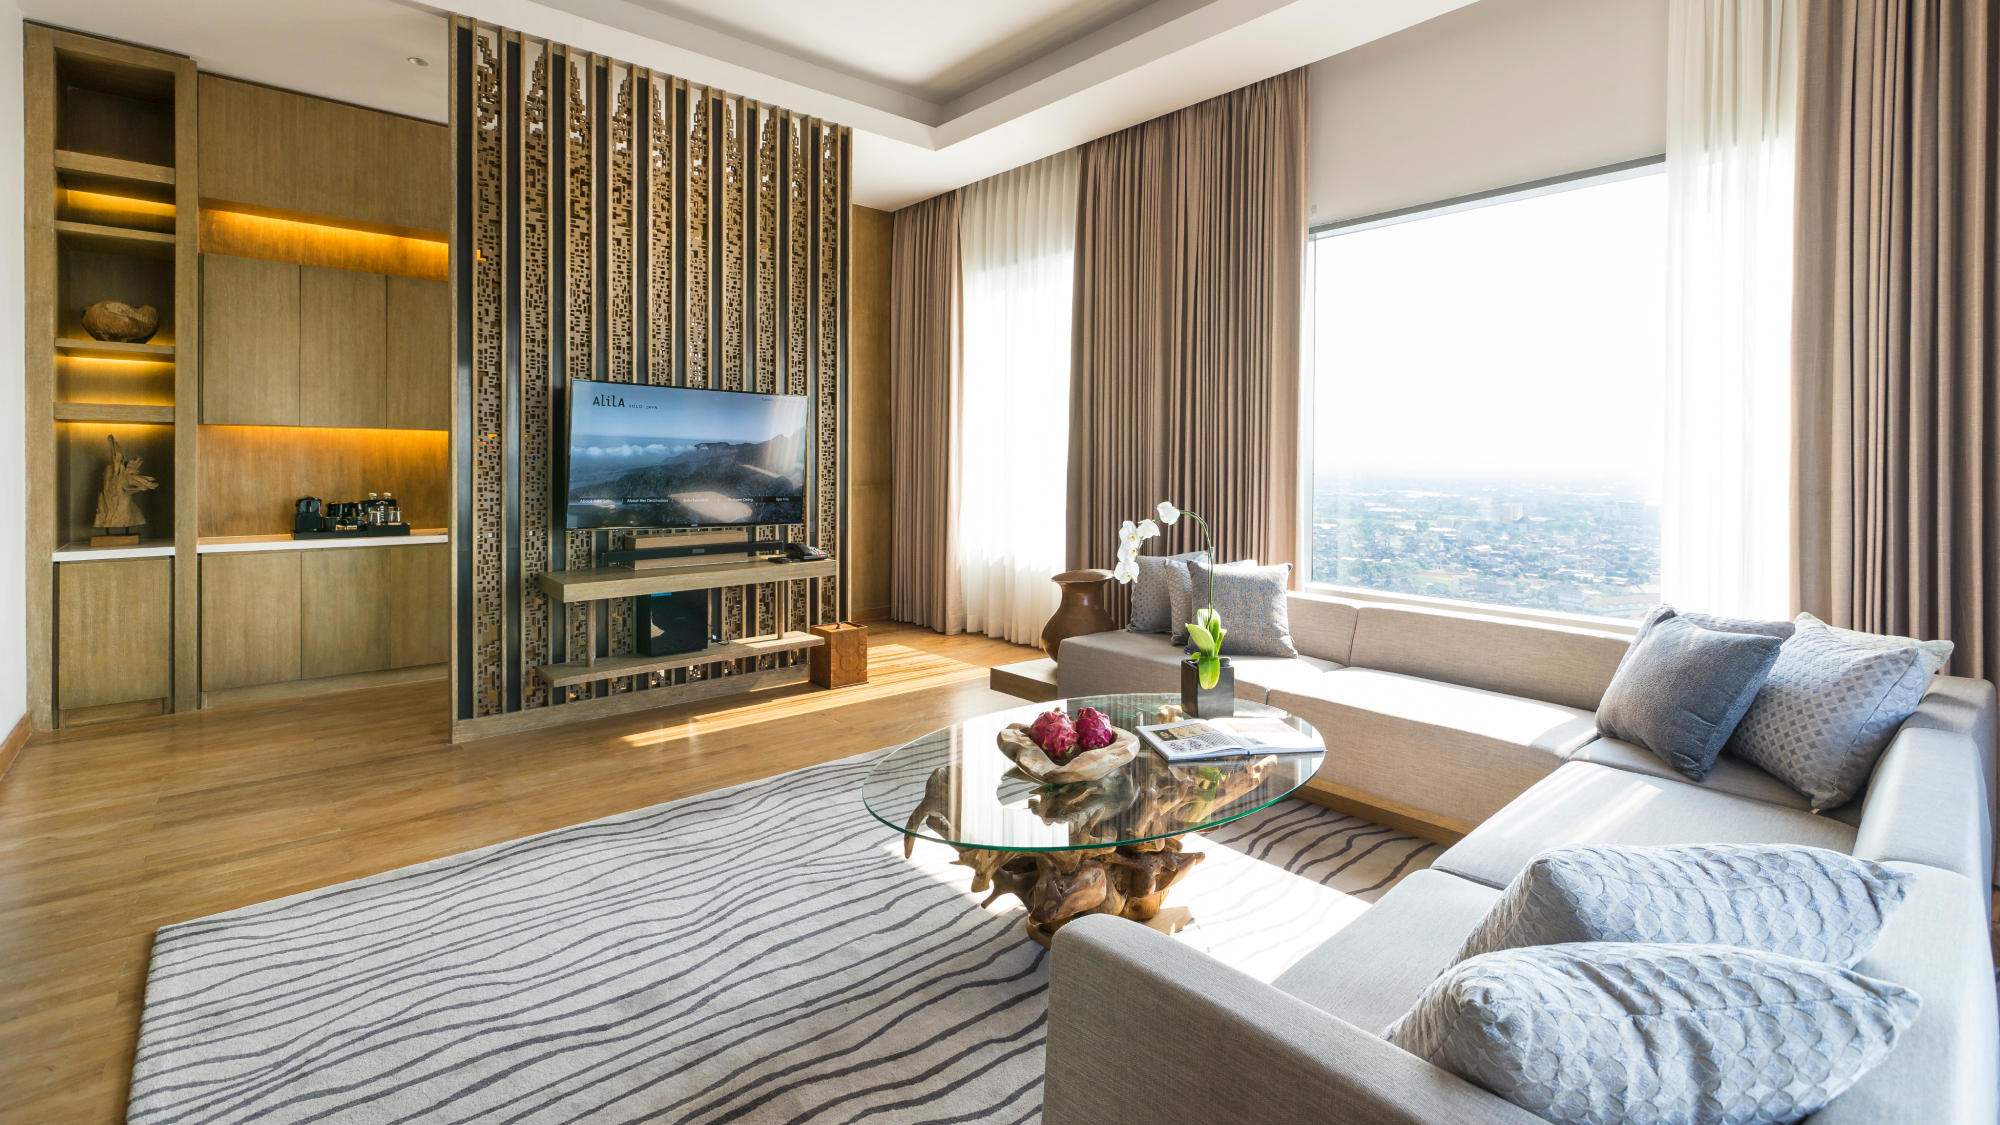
x: 617, y: 224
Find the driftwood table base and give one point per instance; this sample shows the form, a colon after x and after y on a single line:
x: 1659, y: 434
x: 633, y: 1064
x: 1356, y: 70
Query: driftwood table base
x: 1057, y: 887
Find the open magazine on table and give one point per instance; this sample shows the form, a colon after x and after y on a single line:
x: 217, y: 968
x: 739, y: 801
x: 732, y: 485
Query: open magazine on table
x: 1199, y: 740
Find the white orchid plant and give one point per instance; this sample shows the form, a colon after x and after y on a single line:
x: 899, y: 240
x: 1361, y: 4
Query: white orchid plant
x: 1205, y: 632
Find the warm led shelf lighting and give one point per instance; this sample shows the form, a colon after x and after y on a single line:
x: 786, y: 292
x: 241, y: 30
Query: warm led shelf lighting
x: 229, y: 229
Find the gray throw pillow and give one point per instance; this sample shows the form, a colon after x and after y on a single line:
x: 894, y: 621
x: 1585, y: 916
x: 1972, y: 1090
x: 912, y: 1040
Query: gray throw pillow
x: 1251, y: 599
x: 1151, y: 612
x: 1182, y: 598
x: 1828, y: 711
x: 1787, y: 899
x: 1681, y: 689
x: 1782, y: 630
x: 1936, y: 653
x: 1606, y: 1033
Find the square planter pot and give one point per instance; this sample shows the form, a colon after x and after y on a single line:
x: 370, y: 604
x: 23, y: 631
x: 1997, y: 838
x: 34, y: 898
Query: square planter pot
x: 1208, y: 703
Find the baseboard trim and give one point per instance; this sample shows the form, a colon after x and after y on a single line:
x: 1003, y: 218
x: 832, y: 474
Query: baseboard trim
x: 325, y: 685
x: 11, y: 748
x: 880, y: 613
x: 1383, y: 811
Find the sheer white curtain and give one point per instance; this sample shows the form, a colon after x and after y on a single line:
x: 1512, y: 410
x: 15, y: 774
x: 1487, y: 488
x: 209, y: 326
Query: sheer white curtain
x: 1017, y: 243
x: 1731, y: 90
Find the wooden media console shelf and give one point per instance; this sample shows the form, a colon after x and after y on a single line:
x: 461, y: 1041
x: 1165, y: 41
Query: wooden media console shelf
x: 621, y: 582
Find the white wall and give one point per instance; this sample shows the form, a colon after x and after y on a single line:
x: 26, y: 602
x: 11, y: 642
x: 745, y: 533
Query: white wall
x: 1496, y: 93
x: 13, y: 385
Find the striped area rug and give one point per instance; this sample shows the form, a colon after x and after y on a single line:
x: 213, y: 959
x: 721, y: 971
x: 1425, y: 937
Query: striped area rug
x: 758, y: 954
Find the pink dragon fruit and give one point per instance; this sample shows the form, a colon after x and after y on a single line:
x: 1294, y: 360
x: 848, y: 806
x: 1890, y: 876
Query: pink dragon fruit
x: 1093, y: 730
x: 1053, y: 732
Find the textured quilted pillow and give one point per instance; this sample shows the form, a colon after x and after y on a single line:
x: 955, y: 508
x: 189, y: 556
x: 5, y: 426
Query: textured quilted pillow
x: 1827, y: 711
x: 1181, y: 597
x: 1681, y: 689
x: 1782, y: 630
x: 1251, y: 600
x: 1150, y: 609
x: 1606, y: 1033
x: 1935, y: 653
x: 1794, y: 901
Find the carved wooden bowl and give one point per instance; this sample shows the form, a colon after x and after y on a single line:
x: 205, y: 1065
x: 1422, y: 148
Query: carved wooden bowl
x: 118, y: 322
x: 1087, y: 766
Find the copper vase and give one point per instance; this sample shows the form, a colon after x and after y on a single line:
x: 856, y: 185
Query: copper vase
x: 1082, y: 609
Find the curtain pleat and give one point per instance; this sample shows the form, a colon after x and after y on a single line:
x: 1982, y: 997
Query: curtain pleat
x: 1184, y: 380
x: 926, y: 382
x: 1017, y: 240
x: 1895, y: 478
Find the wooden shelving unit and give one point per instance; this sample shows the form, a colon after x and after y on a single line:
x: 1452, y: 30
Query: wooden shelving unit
x: 112, y: 349
x: 613, y: 667
x: 114, y: 412
x: 116, y: 240
x: 624, y: 582
x: 112, y: 214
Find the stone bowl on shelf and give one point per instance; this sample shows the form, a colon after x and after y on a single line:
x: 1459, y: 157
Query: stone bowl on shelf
x: 117, y: 322
x: 1087, y: 766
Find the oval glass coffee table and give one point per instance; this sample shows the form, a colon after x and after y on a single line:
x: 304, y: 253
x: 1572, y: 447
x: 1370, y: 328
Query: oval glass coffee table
x: 1110, y: 846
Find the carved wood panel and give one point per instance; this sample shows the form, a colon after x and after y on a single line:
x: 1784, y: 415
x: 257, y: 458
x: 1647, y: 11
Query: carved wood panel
x: 657, y: 232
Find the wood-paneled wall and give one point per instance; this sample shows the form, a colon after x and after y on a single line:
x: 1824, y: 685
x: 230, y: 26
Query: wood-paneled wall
x: 294, y: 152
x: 870, y: 456
x: 316, y: 241
x: 250, y: 475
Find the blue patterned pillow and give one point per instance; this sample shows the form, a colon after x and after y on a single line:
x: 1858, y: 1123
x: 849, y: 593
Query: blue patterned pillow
x: 1607, y: 1033
x: 1827, y: 711
x: 1787, y: 899
x: 1151, y: 609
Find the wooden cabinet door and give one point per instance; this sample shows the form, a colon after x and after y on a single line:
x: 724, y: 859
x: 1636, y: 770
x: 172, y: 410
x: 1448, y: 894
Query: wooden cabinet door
x: 344, y: 610
x: 419, y: 347
x: 249, y: 619
x: 341, y: 331
x: 249, y: 342
x: 419, y: 605
x: 114, y: 632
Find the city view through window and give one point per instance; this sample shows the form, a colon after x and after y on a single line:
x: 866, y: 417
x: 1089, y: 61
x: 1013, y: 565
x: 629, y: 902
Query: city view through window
x: 1487, y: 402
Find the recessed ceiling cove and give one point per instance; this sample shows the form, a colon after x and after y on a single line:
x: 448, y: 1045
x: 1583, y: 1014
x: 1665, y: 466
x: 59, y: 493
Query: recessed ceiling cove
x: 938, y: 94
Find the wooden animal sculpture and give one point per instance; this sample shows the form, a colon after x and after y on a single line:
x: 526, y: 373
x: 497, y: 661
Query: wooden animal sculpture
x: 121, y: 479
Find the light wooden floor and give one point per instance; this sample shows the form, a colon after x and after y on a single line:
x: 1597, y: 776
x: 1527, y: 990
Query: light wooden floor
x: 108, y: 833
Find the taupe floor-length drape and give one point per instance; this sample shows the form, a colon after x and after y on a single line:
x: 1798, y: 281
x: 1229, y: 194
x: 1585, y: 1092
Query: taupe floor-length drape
x: 1184, y: 382
x: 1896, y: 490
x: 926, y: 370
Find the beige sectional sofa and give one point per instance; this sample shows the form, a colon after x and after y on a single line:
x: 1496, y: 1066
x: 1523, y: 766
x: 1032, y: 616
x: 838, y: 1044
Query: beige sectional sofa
x: 1487, y: 726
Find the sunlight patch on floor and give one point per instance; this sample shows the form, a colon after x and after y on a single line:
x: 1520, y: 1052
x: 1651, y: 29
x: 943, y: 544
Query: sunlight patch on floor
x: 893, y: 670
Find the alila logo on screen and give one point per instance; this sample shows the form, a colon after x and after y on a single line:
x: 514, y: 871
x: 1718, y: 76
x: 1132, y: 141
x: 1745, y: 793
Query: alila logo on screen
x: 618, y: 401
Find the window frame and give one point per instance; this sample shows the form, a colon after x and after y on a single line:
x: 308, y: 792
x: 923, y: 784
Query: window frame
x: 1308, y: 391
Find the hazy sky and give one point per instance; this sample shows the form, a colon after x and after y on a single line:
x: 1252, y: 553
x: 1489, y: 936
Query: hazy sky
x: 1525, y: 339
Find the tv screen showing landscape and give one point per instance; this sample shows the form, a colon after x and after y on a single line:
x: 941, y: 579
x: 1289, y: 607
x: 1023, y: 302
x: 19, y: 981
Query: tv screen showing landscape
x: 643, y: 456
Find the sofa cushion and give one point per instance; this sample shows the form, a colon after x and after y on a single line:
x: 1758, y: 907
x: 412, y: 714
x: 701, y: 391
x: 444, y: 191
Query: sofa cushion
x: 1376, y: 966
x: 1942, y: 1071
x: 1118, y: 662
x: 1322, y: 627
x: 1607, y: 1032
x: 1456, y: 751
x: 1182, y: 601
x: 1563, y: 665
x: 1681, y: 689
x: 1828, y: 711
x: 1927, y: 806
x: 1730, y: 775
x: 1584, y: 803
x: 1258, y: 676
x: 1813, y: 903
x: 1936, y: 654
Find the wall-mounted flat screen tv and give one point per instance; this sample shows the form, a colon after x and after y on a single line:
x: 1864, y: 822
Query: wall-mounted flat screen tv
x: 644, y: 456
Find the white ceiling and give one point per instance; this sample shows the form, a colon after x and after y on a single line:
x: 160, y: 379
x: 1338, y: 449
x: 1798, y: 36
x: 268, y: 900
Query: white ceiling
x: 939, y: 94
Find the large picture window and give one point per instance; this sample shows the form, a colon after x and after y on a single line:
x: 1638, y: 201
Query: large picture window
x: 1488, y: 399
